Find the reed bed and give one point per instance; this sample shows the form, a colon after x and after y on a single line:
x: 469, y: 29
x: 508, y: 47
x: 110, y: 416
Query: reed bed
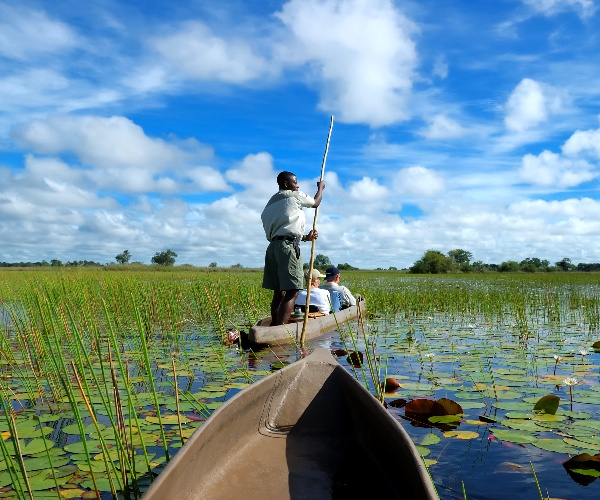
x: 104, y: 375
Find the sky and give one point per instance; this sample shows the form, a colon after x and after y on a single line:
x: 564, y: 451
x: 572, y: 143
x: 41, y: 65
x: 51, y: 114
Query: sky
x: 154, y: 125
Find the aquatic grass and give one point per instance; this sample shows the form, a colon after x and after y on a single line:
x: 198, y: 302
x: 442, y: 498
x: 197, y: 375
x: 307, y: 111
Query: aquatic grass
x: 95, y: 310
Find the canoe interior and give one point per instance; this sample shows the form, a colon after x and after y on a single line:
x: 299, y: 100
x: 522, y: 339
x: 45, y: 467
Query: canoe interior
x: 309, y: 432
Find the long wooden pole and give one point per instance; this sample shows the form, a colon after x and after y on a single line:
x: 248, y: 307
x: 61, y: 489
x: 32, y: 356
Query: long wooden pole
x: 313, y: 243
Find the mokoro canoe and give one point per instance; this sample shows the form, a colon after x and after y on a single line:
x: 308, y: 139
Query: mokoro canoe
x: 308, y: 431
x: 262, y: 333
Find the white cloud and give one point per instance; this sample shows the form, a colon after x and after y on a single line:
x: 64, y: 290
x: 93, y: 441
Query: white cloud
x: 442, y: 127
x: 369, y: 193
x: 530, y: 104
x: 584, y: 208
x: 114, y: 142
x: 25, y: 33
x: 550, y: 169
x: 583, y: 142
x: 207, y: 179
x: 418, y: 182
x: 200, y: 54
x: 119, y: 156
x: 361, y: 55
x: 585, y: 8
x: 440, y: 67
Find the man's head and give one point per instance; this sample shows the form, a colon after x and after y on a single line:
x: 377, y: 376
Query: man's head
x: 315, y: 277
x: 287, y: 180
x: 332, y: 273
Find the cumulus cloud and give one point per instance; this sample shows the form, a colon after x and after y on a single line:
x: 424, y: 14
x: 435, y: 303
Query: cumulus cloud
x: 574, y: 207
x: 530, y: 104
x: 442, y: 127
x: 550, y: 169
x: 121, y: 156
x: 585, y: 8
x: 418, y: 182
x: 26, y: 33
x: 360, y: 52
x: 97, y: 141
x: 369, y: 193
x: 583, y: 142
x: 197, y: 52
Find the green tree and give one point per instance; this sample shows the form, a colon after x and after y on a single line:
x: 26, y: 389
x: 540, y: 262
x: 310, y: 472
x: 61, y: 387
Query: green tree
x: 213, y: 265
x: 460, y: 256
x: 322, y: 261
x: 166, y: 258
x: 533, y: 264
x: 346, y: 267
x: 565, y: 264
x: 432, y: 262
x: 509, y: 266
x: 123, y: 258
x: 55, y: 263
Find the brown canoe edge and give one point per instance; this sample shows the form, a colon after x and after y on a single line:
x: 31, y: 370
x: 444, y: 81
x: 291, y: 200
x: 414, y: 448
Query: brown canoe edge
x: 255, y: 445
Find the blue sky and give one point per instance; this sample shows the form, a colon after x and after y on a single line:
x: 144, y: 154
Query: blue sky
x: 153, y: 125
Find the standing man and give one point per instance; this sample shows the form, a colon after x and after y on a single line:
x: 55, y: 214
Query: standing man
x: 284, y: 223
x: 332, y: 275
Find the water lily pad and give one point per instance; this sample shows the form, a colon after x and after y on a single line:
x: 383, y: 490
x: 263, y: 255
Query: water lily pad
x: 521, y: 424
x: 547, y: 404
x: 555, y: 445
x: 430, y: 439
x: 423, y: 451
x: 461, y: 434
x: 514, y: 436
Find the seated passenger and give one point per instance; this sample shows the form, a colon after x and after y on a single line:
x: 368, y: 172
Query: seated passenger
x: 332, y: 275
x: 319, y: 299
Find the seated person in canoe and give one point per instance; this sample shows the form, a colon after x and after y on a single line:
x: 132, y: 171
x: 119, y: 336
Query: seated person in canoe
x: 332, y: 277
x: 319, y: 298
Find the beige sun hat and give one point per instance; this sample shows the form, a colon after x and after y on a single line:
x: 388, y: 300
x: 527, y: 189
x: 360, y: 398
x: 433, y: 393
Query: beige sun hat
x: 315, y: 274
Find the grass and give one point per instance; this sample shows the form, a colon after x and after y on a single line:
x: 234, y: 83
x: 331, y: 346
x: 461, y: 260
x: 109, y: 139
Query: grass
x: 128, y: 356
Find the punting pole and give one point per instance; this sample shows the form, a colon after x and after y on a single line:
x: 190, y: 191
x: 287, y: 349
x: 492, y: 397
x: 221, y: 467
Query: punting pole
x: 312, y: 248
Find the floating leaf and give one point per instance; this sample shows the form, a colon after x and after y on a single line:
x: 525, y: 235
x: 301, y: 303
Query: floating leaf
x: 461, y: 434
x: 390, y: 384
x: 430, y: 439
x: 547, y: 404
x: 397, y: 403
x: 355, y: 358
x: 583, y: 468
x: 422, y: 450
x: 514, y: 436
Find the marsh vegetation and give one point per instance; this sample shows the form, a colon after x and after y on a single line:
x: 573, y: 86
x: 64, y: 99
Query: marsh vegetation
x: 105, y: 374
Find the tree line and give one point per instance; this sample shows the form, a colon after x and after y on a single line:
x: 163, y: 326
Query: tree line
x: 432, y: 262
x: 459, y: 260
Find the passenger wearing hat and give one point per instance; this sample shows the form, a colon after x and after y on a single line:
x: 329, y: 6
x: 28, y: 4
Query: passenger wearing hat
x: 319, y: 298
x: 332, y: 275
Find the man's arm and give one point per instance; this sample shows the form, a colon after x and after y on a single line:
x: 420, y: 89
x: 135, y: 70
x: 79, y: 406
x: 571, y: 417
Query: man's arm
x: 349, y: 297
x: 319, y: 195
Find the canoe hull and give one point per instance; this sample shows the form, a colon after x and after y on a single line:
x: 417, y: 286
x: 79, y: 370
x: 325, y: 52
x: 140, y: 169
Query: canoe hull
x: 263, y: 334
x: 308, y: 431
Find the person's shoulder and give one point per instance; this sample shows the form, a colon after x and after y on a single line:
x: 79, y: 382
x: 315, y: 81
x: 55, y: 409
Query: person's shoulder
x: 304, y: 198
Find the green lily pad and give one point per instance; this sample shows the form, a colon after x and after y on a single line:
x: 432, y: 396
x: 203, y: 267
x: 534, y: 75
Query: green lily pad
x: 555, y: 445
x: 514, y: 436
x: 430, y: 439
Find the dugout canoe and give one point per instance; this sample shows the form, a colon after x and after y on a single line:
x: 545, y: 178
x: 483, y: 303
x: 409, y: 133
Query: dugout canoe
x: 263, y: 334
x: 308, y: 431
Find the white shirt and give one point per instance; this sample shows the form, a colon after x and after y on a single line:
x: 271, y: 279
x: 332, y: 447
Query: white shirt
x: 318, y: 298
x: 283, y: 215
x: 348, y: 299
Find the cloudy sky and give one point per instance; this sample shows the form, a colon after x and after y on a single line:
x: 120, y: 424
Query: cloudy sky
x: 162, y: 125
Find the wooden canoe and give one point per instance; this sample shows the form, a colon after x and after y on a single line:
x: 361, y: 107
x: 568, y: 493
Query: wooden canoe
x: 308, y: 431
x: 261, y: 333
